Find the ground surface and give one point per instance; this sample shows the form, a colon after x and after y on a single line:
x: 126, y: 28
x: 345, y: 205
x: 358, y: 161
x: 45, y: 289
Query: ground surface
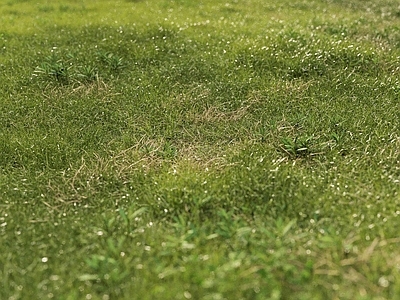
x: 199, y: 149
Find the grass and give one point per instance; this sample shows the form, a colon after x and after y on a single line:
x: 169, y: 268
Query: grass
x: 199, y: 149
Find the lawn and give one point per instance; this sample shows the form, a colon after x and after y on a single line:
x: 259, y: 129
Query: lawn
x: 182, y: 149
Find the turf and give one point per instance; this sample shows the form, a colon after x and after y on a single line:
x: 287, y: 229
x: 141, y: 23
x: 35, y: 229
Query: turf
x: 199, y: 149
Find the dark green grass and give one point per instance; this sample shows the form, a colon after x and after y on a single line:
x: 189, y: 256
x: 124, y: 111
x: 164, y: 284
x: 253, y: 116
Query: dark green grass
x: 204, y: 150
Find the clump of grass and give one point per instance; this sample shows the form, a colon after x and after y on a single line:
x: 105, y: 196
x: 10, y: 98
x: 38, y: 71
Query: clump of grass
x: 113, y: 61
x: 55, y: 68
x: 73, y: 69
x: 88, y: 74
x: 297, y: 147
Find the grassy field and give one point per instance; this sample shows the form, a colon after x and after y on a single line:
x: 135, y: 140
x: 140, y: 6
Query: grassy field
x: 183, y: 149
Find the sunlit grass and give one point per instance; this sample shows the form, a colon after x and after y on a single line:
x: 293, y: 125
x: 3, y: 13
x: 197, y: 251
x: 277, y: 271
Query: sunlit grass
x: 199, y: 149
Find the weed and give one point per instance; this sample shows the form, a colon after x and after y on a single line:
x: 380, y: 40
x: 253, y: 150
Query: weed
x: 297, y: 147
x: 114, y: 62
x: 88, y: 74
x: 55, y: 68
